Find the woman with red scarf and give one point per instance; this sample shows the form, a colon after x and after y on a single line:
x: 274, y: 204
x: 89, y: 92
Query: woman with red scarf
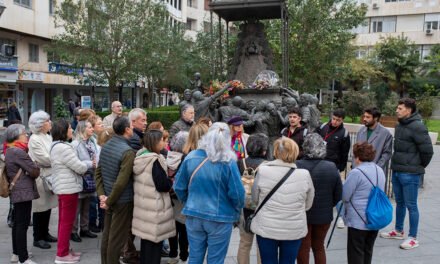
x: 238, y: 137
x: 21, y: 169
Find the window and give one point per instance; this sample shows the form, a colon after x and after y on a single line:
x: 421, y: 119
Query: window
x: 51, y: 7
x: 432, y: 21
x: 192, y: 3
x: 190, y: 24
x: 26, y: 3
x: 361, y: 53
x: 383, y: 24
x: 33, y: 53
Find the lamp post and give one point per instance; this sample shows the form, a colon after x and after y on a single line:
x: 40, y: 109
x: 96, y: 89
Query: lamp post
x: 2, y: 7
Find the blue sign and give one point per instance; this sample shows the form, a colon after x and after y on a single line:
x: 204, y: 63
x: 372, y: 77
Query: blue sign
x: 86, y: 102
x: 8, y: 64
x: 65, y: 69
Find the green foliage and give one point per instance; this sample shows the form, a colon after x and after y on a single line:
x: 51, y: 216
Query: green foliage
x: 120, y: 39
x: 319, y: 40
x: 398, y: 59
x: 431, y: 65
x: 166, y: 115
x: 60, y: 108
x: 354, y: 102
x: 356, y: 73
x: 390, y: 104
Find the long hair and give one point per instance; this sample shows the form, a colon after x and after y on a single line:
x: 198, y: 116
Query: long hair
x: 217, y: 143
x: 80, y: 131
x: 195, y: 134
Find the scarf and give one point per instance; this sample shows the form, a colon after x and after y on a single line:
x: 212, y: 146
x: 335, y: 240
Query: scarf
x: 90, y: 148
x: 237, y: 145
x: 17, y: 144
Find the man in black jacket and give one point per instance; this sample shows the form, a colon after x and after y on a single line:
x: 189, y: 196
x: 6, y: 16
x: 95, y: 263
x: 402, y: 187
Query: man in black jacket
x: 295, y: 131
x: 138, y: 118
x: 337, y: 139
x: 412, y: 153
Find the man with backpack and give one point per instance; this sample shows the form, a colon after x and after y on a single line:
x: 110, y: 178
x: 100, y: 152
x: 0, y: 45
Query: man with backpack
x: 412, y: 153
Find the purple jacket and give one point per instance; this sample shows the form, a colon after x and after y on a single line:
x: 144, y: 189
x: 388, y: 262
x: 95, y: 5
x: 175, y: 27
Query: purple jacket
x: 25, y: 188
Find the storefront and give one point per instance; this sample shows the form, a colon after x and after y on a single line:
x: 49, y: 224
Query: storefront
x: 8, y: 87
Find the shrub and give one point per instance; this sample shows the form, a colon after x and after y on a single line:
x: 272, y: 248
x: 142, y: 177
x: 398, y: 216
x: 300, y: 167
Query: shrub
x: 354, y: 102
x: 60, y: 108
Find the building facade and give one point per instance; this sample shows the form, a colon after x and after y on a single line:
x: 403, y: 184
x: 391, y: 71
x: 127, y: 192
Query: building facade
x: 419, y: 20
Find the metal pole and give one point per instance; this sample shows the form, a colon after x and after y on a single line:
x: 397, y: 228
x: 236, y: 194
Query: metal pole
x: 227, y: 45
x: 334, y: 225
x: 220, y: 46
x: 211, y: 53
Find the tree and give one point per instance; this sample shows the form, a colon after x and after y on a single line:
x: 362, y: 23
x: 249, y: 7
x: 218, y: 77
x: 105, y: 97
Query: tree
x: 60, y: 108
x: 398, y: 58
x: 114, y: 37
x: 431, y: 66
x: 357, y: 72
x: 319, y: 39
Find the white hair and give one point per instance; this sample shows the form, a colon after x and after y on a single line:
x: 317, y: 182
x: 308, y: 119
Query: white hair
x: 36, y: 121
x: 135, y: 113
x: 217, y: 143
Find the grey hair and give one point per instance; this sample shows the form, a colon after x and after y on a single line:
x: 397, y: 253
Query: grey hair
x: 178, y: 141
x: 14, y: 131
x: 186, y: 107
x: 217, y: 143
x: 314, y: 146
x: 135, y: 113
x: 81, y: 130
x: 36, y: 121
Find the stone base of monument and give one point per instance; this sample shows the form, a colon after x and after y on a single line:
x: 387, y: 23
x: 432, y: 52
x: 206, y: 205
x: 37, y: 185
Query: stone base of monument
x: 273, y: 94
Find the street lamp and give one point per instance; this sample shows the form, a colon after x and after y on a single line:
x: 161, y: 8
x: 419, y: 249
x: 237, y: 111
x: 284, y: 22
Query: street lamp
x: 2, y: 7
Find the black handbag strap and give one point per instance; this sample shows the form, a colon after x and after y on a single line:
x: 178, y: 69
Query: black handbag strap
x: 274, y: 190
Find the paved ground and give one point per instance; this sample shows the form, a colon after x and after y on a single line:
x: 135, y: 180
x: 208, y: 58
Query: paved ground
x: 385, y: 251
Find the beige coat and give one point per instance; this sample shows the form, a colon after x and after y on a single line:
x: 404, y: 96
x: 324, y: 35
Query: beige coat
x: 39, y: 147
x: 153, y: 217
x: 283, y: 217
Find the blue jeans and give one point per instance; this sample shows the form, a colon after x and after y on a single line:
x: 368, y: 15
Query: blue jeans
x: 207, y: 235
x: 406, y: 187
x: 288, y: 250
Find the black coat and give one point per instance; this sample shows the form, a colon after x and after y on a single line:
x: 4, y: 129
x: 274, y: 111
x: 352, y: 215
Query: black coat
x: 328, y: 189
x: 412, y: 146
x: 13, y: 115
x: 338, y: 144
x: 298, y: 136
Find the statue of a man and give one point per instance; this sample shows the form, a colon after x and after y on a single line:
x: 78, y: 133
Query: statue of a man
x: 227, y: 112
x: 201, y: 103
x: 187, y: 95
x: 197, y: 83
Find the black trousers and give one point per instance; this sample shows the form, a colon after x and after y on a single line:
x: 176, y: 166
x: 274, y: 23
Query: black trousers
x: 150, y: 252
x: 180, y: 241
x: 41, y: 224
x: 360, y: 245
x: 21, y: 217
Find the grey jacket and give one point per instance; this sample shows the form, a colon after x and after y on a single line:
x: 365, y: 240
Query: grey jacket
x: 179, y: 125
x: 356, y: 191
x: 382, y: 141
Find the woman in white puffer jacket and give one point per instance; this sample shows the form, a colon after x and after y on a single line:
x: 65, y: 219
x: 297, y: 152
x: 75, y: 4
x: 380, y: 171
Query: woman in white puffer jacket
x: 281, y: 223
x: 67, y: 171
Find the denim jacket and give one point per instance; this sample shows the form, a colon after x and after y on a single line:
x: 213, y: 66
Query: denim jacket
x: 216, y: 192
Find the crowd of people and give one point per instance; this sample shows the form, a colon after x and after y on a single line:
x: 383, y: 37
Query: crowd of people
x: 193, y: 185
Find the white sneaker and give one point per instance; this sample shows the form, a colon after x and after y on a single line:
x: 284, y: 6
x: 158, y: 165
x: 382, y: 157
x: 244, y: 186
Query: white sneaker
x: 29, y: 261
x: 393, y: 234
x: 409, y: 243
x: 340, y: 223
x: 14, y: 258
x: 173, y: 260
x: 183, y: 262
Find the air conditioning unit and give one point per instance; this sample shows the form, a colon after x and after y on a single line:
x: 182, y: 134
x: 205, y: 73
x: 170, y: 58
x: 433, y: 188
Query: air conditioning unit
x: 375, y: 6
x: 429, y: 32
x: 7, y: 50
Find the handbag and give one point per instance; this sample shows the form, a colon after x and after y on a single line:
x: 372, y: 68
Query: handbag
x: 248, y: 220
x: 47, y: 183
x: 247, y: 179
x: 89, y: 185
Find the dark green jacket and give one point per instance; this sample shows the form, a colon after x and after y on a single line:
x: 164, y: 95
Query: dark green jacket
x: 412, y: 146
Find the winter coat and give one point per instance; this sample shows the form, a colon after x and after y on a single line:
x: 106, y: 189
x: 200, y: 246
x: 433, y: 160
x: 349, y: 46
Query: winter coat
x: 107, y: 122
x: 298, y: 136
x: 13, y: 115
x: 215, y: 193
x: 39, y: 147
x: 25, y: 188
x: 356, y: 191
x: 412, y: 146
x: 338, y: 144
x: 179, y: 125
x: 328, y: 189
x: 283, y: 217
x: 83, y: 155
x: 153, y: 217
x: 67, y: 168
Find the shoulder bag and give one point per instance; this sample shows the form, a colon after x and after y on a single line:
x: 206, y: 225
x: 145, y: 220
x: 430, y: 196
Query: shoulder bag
x: 248, y: 220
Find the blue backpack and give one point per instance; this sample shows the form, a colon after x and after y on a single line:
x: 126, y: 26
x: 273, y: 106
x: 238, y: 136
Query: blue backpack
x: 379, y: 210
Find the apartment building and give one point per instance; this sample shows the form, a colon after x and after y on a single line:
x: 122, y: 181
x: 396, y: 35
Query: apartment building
x: 419, y: 20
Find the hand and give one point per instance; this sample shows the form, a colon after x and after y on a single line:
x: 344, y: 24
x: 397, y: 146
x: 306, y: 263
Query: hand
x: 102, y: 198
x: 103, y: 205
x: 94, y: 163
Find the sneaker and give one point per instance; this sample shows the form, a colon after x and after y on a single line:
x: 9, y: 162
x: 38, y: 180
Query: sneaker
x: 392, y: 235
x: 173, y: 261
x: 183, y: 262
x: 409, y: 243
x: 29, y: 261
x: 75, y: 254
x: 14, y: 258
x: 66, y: 259
x: 340, y: 223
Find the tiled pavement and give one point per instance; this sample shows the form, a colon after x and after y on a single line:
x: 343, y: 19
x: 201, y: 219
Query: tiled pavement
x: 385, y: 251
